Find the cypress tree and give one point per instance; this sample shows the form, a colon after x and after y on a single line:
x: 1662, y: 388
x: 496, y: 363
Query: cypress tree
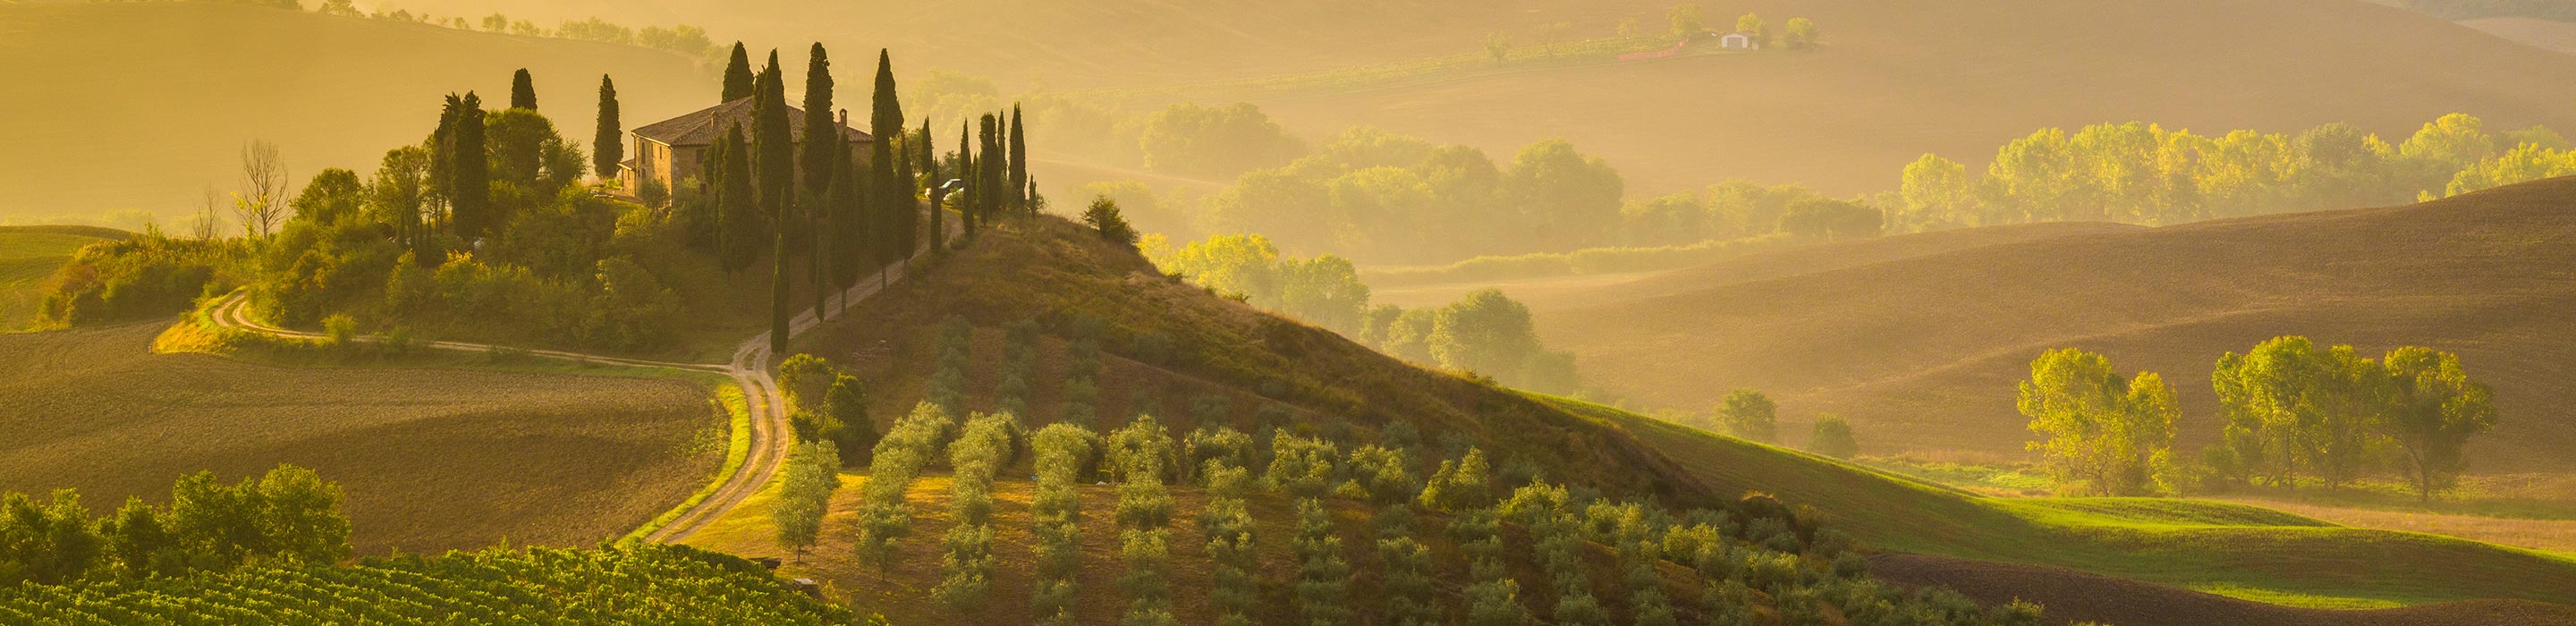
x: 738, y: 82
x: 1020, y: 184
x: 930, y: 188
x: 851, y: 225
x: 991, y: 169
x: 523, y: 91
x: 469, y: 189
x: 898, y: 231
x: 773, y: 165
x: 889, y: 195
x: 966, y: 172
x: 819, y: 128
x: 608, y: 147
x: 817, y: 165
x: 738, y: 207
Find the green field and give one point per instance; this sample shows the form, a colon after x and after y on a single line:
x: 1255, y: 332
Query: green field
x: 2228, y: 549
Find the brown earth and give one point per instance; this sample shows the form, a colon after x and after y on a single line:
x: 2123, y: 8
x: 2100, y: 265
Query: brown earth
x: 1922, y: 353
x: 2072, y: 596
x: 430, y: 459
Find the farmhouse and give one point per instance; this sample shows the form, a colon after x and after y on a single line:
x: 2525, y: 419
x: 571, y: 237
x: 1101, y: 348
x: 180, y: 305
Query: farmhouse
x: 668, y: 151
x: 1739, y: 41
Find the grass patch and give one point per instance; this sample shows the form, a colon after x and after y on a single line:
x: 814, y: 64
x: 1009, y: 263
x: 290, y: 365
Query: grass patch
x: 737, y: 448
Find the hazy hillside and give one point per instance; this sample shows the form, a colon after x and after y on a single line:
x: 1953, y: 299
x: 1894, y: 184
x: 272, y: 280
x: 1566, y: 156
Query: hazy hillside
x: 1260, y: 369
x: 142, y: 106
x: 1922, y: 353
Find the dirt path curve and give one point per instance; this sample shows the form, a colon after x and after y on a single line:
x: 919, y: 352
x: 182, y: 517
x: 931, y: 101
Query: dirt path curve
x: 749, y: 369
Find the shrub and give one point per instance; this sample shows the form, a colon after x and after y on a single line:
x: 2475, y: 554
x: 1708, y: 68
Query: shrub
x: 340, y: 333
x: 1301, y: 466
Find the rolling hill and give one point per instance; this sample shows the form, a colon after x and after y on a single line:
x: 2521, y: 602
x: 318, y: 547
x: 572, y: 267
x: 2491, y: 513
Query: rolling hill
x: 1922, y: 353
x: 431, y: 459
x: 147, y: 105
x: 1066, y: 280
x: 1894, y: 81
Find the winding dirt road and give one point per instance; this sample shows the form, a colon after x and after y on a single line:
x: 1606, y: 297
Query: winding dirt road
x: 749, y: 369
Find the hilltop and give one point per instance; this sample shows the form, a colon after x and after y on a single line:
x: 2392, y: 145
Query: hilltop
x: 146, y: 105
x: 1922, y: 353
x: 1264, y: 370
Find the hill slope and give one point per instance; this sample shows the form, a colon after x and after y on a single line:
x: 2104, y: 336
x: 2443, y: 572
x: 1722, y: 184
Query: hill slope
x: 28, y: 256
x: 432, y: 459
x: 144, y: 106
x: 1052, y: 272
x: 1930, y: 346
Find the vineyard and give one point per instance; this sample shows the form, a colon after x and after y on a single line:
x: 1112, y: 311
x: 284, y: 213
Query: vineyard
x: 631, y: 584
x: 1244, y: 518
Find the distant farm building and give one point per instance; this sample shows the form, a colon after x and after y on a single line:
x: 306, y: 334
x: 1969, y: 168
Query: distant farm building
x: 1739, y: 41
x: 669, y: 151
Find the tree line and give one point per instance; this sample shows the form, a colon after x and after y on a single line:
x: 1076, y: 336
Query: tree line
x: 288, y: 515
x: 2293, y: 410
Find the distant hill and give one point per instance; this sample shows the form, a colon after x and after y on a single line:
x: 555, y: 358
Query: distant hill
x: 144, y: 106
x: 1922, y: 353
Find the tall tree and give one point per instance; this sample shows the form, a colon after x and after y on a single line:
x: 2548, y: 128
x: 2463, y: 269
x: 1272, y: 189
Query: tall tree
x: 738, y: 230
x: 966, y: 217
x: 1748, y: 414
x: 818, y: 164
x: 523, y: 91
x: 469, y: 176
x: 850, y: 225
x: 2431, y: 415
x: 608, y: 146
x: 773, y: 168
x: 930, y: 189
x: 990, y: 168
x: 889, y: 188
x: 738, y: 80
x: 1020, y: 195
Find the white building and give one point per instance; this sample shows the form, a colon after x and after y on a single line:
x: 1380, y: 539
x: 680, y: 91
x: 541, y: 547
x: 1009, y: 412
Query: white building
x: 1739, y: 41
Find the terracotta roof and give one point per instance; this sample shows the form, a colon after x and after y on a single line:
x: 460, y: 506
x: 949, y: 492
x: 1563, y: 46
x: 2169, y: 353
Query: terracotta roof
x: 701, y: 128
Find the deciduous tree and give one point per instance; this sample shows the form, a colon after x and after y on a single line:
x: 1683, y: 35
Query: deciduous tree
x: 2107, y: 435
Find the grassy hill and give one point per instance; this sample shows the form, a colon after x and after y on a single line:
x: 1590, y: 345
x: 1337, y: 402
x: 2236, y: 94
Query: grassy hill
x: 144, y: 106
x: 1058, y: 275
x: 1922, y: 353
x: 432, y: 459
x: 29, y: 255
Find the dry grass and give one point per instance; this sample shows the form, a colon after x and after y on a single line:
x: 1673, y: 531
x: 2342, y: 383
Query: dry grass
x: 432, y: 459
x: 1922, y: 353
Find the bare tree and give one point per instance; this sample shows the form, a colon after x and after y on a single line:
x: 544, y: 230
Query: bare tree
x: 204, y: 225
x: 262, y: 201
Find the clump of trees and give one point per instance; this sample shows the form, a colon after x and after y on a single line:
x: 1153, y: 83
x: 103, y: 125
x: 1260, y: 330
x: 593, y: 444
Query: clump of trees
x: 1403, y: 190
x: 1485, y: 333
x: 1324, y: 290
x: 2294, y: 408
x: 288, y: 514
x: 2107, y: 435
x: 827, y: 403
x: 1215, y: 142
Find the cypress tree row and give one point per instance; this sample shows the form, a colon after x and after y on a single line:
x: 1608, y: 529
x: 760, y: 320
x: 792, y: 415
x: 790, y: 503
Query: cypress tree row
x: 1020, y: 186
x: 608, y: 147
x: 850, y: 224
x: 738, y: 81
x: 523, y: 91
